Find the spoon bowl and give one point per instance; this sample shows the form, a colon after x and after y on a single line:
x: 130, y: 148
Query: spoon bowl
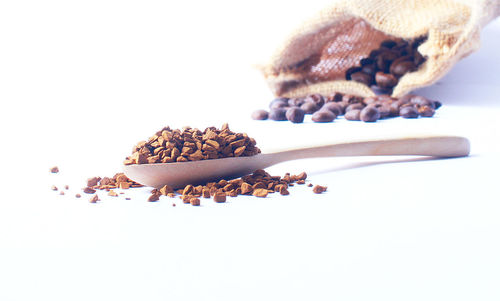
x: 180, y: 174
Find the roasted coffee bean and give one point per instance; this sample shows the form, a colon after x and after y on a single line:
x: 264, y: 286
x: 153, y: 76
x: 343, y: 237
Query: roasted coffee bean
x: 296, y: 102
x: 366, y: 61
x: 408, y: 112
x: 350, y: 71
x: 352, y: 115
x: 323, y: 116
x: 437, y: 104
x: 279, y: 103
x: 316, y: 99
x: 385, y: 80
x: 349, y: 99
x: 401, y: 68
x: 336, y: 97
x: 385, y: 59
x: 384, y: 109
x: 363, y: 78
x: 354, y: 106
x: 379, y: 90
x: 334, y: 107
x: 426, y: 111
x: 260, y: 115
x: 309, y: 107
x: 278, y: 114
x: 421, y: 101
x: 295, y: 115
x: 369, y: 114
x: 369, y: 100
x: 369, y: 69
x: 388, y: 44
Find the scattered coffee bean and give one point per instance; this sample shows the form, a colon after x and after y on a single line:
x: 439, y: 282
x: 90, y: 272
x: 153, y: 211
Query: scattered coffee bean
x: 333, y: 107
x: 278, y: 103
x: 408, y: 112
x: 296, y: 102
x: 323, y: 116
x: 278, y: 114
x: 260, y: 115
x: 54, y: 169
x: 353, y: 115
x: 369, y: 114
x: 309, y: 107
x: 295, y: 115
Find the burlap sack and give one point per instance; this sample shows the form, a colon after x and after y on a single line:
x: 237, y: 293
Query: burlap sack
x: 314, y: 59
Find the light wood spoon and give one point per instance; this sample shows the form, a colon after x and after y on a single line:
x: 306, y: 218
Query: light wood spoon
x: 199, y: 172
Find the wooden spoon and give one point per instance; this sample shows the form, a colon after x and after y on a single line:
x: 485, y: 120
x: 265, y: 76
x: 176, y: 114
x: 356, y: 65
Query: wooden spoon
x: 198, y: 172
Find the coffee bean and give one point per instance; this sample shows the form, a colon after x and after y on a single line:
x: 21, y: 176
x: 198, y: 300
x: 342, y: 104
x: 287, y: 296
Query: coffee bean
x: 362, y: 77
x: 354, y: 106
x: 309, y: 107
x: 437, y: 104
x: 260, y: 115
x: 350, y: 71
x: 334, y: 107
x: 349, y: 99
x: 278, y: 114
x: 388, y: 44
x: 366, y: 61
x: 401, y: 68
x: 426, y: 111
x: 384, y: 109
x: 278, y: 103
x: 323, y: 116
x: 369, y: 114
x: 336, y: 97
x: 421, y: 101
x: 369, y: 69
x: 385, y: 80
x: 296, y: 102
x: 379, y: 90
x: 295, y: 115
x: 369, y: 100
x: 408, y: 112
x: 352, y: 115
x: 316, y: 99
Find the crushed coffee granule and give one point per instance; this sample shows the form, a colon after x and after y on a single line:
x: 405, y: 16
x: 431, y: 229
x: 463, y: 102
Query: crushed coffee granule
x: 195, y: 201
x: 112, y: 193
x: 154, y: 197
x: 319, y: 189
x: 61, y: 193
x: 54, y: 169
x: 66, y: 187
x: 78, y: 195
x: 94, y: 199
x: 88, y: 190
x: 54, y: 188
x: 189, y: 144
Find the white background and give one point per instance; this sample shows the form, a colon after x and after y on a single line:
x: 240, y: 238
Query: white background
x: 82, y: 81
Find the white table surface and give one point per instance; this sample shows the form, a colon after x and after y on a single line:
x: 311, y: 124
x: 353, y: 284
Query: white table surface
x: 81, y: 83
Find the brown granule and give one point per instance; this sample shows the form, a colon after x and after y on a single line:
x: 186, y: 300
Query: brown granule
x: 78, y: 195
x: 195, y: 201
x: 88, y: 190
x: 94, y: 198
x: 54, y: 188
x: 54, y: 169
x: 319, y: 189
x: 191, y: 144
x: 112, y: 193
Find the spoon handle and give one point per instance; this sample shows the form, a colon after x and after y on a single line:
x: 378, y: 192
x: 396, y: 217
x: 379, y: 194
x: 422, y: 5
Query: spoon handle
x: 433, y: 146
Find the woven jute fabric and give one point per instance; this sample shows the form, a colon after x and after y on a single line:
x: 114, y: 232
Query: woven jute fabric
x: 316, y: 55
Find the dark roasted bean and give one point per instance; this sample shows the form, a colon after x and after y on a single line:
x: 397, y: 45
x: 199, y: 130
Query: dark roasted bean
x: 401, y: 68
x: 334, y: 107
x: 309, y: 107
x: 278, y: 103
x: 296, y: 102
x: 350, y: 71
x: 369, y: 69
x: 388, y: 43
x: 278, y: 114
x: 385, y: 80
x: 363, y: 78
x: 315, y: 98
x: 336, y: 97
x: 369, y: 114
x: 295, y: 115
x: 260, y: 115
x: 408, y: 112
x: 426, y: 111
x: 352, y: 115
x: 323, y: 116
x: 421, y: 101
x: 354, y: 106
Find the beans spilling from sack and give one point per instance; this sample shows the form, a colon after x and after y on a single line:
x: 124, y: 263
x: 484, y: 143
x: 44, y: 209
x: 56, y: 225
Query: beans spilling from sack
x: 384, y: 66
x: 327, y: 109
x: 189, y: 144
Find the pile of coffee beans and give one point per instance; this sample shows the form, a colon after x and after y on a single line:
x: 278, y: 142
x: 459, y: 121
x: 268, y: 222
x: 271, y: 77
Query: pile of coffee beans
x: 190, y: 144
x: 384, y: 66
x: 368, y: 109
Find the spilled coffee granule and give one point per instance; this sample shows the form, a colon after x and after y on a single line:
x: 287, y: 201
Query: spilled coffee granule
x: 54, y: 188
x: 119, y: 180
x: 94, y: 199
x: 259, y: 184
x: 189, y: 144
x: 319, y: 189
x: 368, y: 109
x: 54, y: 169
